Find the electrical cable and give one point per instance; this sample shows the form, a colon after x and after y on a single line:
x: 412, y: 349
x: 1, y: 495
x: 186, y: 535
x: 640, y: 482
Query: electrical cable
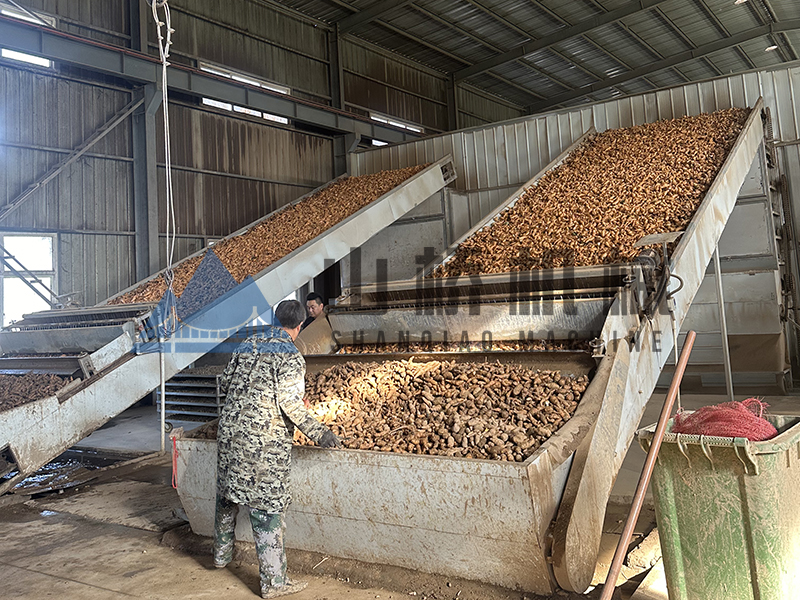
x: 171, y: 313
x: 164, y: 43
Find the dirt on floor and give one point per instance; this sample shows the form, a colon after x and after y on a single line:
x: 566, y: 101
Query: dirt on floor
x: 389, y: 581
x: 120, y: 539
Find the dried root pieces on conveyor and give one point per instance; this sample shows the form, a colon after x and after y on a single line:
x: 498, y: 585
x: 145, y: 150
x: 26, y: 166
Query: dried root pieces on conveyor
x: 471, y: 410
x: 472, y: 346
x: 16, y: 390
x: 282, y: 233
x: 610, y: 192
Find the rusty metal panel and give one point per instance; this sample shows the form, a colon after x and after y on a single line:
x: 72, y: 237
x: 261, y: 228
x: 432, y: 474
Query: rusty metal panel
x: 289, y: 51
x: 214, y: 141
x: 375, y: 80
x: 96, y: 20
x: 44, y: 119
x: 95, y: 265
x: 230, y: 171
x: 214, y: 205
x: 380, y: 65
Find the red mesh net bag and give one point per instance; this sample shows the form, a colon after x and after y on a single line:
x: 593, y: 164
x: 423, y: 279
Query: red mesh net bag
x: 729, y: 419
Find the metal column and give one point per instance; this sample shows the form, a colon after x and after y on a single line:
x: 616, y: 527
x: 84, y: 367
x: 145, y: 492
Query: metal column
x: 335, y: 74
x: 139, y: 12
x: 723, y: 326
x: 452, y: 103
x: 145, y: 182
x: 343, y: 146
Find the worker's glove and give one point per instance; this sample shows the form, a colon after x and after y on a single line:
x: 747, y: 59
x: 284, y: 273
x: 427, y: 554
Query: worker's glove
x: 330, y: 440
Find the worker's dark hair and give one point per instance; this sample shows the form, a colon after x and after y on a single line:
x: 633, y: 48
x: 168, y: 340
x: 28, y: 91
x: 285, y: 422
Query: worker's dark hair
x: 315, y: 297
x: 290, y: 313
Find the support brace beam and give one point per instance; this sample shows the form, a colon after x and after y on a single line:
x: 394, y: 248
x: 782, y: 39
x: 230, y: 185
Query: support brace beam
x: 51, y: 174
x: 141, y: 68
x: 378, y: 9
x: 145, y: 182
x: 343, y: 147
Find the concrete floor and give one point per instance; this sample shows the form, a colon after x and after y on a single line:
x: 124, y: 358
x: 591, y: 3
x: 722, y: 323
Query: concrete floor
x: 124, y: 536
x: 134, y: 431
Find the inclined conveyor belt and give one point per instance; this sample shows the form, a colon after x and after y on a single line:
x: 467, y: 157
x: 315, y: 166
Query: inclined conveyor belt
x: 120, y: 340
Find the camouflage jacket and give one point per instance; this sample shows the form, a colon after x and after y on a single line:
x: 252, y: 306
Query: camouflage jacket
x: 265, y: 383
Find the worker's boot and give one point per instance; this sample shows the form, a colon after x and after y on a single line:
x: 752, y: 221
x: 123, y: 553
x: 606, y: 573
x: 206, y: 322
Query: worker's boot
x: 290, y: 587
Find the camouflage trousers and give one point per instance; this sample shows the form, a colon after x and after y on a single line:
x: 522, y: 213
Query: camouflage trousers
x: 267, y: 533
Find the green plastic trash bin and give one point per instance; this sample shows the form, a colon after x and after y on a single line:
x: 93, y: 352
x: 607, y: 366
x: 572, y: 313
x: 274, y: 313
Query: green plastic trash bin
x: 728, y: 513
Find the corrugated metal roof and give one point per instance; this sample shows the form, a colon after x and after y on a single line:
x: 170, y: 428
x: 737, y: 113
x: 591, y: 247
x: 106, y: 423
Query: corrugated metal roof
x: 786, y: 9
x: 735, y: 17
x: 528, y: 16
x: 697, y: 70
x: 449, y: 35
x: 319, y: 9
x: 666, y: 78
x: 561, y: 68
x: 571, y: 12
x: 729, y: 61
x: 583, y: 52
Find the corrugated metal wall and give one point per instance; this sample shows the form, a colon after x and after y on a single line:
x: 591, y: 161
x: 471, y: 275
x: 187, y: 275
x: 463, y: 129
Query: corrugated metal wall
x: 477, y: 108
x: 291, y: 49
x: 103, y: 21
x: 374, y: 80
x: 252, y: 38
x: 229, y: 172
x: 90, y: 204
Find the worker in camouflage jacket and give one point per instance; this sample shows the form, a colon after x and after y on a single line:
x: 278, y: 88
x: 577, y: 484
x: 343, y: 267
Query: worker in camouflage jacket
x: 264, y: 383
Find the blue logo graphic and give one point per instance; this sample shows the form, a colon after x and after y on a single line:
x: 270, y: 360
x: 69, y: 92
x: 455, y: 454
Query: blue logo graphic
x: 213, y: 314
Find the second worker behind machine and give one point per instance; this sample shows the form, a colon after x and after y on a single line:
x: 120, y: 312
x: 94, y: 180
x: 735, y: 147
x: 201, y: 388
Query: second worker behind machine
x: 315, y: 307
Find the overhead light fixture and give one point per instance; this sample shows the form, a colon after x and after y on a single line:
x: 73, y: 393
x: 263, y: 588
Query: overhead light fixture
x: 770, y: 48
x: 740, y: 1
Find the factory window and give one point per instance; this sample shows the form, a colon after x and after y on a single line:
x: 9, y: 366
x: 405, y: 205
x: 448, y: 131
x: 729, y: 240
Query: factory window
x: 217, y: 104
x: 8, y: 9
x: 381, y: 118
x: 223, y: 72
x: 34, y: 254
x: 242, y: 109
x: 227, y: 73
